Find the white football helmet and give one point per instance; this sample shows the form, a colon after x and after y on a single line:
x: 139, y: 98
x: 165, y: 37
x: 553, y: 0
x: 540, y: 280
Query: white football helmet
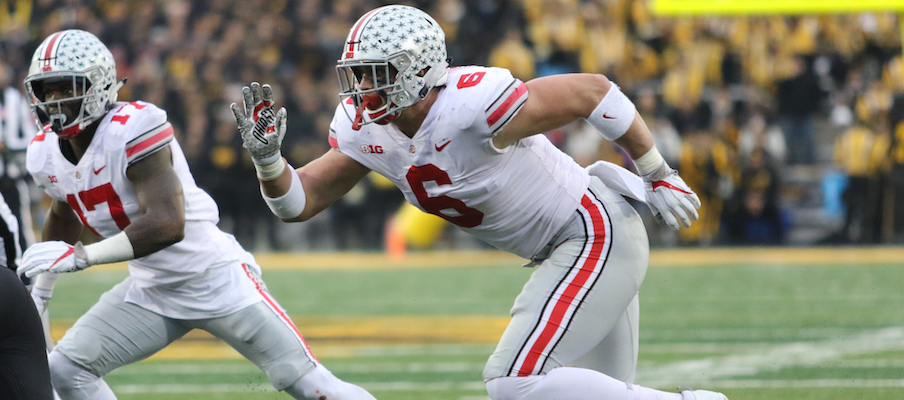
x: 403, y: 50
x: 81, y: 58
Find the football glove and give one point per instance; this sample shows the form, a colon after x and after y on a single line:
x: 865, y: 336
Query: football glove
x: 669, y: 198
x: 53, y: 256
x: 262, y: 130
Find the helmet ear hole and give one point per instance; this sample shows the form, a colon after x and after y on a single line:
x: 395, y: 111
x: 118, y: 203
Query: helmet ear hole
x: 423, y: 72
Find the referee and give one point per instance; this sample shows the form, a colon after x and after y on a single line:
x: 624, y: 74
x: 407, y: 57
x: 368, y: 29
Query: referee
x: 24, y: 374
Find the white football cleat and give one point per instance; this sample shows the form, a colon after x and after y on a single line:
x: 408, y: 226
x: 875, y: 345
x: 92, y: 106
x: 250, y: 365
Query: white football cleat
x: 702, y: 395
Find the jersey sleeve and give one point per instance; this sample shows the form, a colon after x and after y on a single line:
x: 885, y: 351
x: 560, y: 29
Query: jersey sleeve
x: 145, y: 132
x: 493, y: 94
x: 341, y: 123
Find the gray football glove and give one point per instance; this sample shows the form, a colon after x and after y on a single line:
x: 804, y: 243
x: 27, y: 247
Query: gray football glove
x: 262, y: 131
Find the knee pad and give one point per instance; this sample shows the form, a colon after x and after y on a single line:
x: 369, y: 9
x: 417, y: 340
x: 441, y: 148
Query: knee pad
x: 512, y: 387
x: 71, y: 381
x: 578, y: 383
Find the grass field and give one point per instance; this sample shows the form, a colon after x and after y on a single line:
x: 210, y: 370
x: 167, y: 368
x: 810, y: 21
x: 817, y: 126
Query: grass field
x: 777, y: 324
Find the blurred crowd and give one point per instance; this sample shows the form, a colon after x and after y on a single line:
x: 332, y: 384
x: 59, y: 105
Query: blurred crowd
x: 770, y: 119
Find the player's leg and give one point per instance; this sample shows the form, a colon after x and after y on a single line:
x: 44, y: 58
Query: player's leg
x: 579, y: 293
x: 616, y: 354
x: 24, y: 374
x: 111, y: 334
x: 265, y: 335
x: 579, y: 298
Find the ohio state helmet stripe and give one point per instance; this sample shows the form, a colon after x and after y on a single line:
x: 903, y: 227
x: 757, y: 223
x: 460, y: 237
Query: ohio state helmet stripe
x: 48, y: 52
x: 149, y: 142
x: 506, y: 106
x: 353, y: 37
x: 568, y: 295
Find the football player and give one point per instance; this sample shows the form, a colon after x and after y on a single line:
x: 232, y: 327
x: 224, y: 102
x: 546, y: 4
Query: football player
x: 115, y: 169
x: 463, y: 143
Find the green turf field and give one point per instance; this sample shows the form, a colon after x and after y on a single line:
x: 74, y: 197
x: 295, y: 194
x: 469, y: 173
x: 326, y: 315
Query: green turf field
x: 826, y: 331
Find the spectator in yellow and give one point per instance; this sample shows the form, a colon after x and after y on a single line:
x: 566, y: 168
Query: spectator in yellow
x: 514, y: 55
x: 859, y: 153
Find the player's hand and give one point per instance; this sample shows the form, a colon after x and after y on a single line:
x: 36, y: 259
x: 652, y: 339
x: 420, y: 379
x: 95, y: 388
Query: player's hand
x: 53, y: 256
x: 670, y: 199
x: 262, y: 130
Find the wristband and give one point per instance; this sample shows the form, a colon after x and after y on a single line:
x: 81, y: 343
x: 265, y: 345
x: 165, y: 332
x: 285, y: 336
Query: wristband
x: 44, y: 283
x: 649, y: 162
x: 614, y: 115
x: 291, y: 204
x: 112, y: 249
x: 271, y: 171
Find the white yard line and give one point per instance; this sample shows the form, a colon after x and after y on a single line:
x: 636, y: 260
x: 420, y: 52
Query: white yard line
x: 713, y: 370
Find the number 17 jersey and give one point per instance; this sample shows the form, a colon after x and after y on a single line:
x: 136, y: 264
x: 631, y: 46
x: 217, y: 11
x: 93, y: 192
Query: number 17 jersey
x: 515, y: 198
x: 101, y: 195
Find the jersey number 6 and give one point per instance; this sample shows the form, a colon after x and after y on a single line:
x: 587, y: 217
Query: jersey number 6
x: 467, y: 218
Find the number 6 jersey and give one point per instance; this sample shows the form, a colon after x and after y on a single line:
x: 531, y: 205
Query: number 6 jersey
x: 105, y: 201
x: 514, y: 198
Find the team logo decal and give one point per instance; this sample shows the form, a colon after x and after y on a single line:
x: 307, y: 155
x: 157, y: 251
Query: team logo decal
x: 412, y: 150
x: 371, y: 149
x: 78, y: 175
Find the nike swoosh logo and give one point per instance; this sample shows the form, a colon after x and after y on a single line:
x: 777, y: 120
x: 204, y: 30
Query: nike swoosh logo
x: 66, y: 254
x: 665, y: 184
x: 607, y: 117
x: 443, y: 146
x: 97, y: 171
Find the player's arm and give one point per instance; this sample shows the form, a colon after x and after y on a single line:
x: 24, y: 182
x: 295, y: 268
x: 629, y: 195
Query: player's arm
x: 162, y: 223
x: 322, y: 181
x: 161, y: 202
x: 297, y: 195
x: 558, y: 100
x: 61, y: 223
x: 554, y: 101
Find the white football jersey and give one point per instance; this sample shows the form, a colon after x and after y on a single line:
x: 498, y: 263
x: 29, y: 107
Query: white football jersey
x: 515, y: 198
x: 105, y: 201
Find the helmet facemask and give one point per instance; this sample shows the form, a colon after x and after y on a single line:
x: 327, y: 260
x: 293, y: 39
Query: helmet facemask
x: 69, y: 114
x: 385, y: 99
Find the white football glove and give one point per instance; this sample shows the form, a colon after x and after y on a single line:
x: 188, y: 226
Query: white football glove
x: 53, y: 256
x: 262, y: 131
x: 669, y: 198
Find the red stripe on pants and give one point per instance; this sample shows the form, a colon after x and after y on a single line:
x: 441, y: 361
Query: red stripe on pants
x: 569, y: 296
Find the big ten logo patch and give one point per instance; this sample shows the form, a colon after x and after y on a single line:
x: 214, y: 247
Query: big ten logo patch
x: 371, y: 149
